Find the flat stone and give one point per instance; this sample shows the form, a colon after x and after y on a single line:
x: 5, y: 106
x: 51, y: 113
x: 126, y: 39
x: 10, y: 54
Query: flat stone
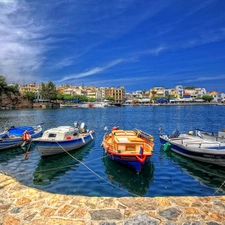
x: 65, y: 210
x: 108, y: 214
x: 22, y: 201
x: 4, y: 207
x: 142, y: 219
x: 16, y: 210
x: 107, y: 203
x: 48, y: 212
x: 11, y: 221
x: 170, y: 213
x: 140, y: 203
x: 163, y: 202
x: 79, y: 213
x: 191, y: 211
x: 192, y: 223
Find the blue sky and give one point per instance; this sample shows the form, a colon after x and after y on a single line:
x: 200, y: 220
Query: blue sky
x: 135, y: 43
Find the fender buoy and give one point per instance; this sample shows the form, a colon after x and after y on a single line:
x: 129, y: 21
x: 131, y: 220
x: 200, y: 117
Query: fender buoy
x: 26, y: 136
x: 115, y: 128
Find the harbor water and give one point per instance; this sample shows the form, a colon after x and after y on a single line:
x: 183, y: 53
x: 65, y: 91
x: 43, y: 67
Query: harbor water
x: 90, y: 173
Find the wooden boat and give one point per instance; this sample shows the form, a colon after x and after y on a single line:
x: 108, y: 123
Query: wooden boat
x: 16, y: 136
x: 211, y: 136
x: 63, y: 139
x: 132, y: 148
x: 195, y: 147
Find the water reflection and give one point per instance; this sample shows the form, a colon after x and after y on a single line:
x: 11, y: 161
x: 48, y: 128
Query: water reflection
x: 52, y: 168
x: 128, y: 179
x: 207, y: 174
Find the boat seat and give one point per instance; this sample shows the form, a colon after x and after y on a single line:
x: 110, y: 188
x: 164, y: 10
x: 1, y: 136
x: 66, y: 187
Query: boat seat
x: 135, y: 139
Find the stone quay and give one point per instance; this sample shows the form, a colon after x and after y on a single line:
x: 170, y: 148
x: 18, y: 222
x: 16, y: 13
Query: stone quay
x: 24, y: 205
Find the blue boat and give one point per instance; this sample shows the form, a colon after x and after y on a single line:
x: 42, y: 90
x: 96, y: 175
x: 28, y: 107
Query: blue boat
x: 194, y: 147
x: 16, y: 136
x: 63, y: 139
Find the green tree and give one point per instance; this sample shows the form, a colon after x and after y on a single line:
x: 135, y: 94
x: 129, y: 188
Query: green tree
x: 92, y: 99
x: 30, y: 95
x: 110, y: 98
x: 13, y: 88
x: 207, y: 98
x: 3, y: 83
x: 48, y: 91
x: 59, y: 96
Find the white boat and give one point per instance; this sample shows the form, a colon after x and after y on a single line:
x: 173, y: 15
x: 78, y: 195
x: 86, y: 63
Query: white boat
x: 63, y: 139
x: 195, y: 147
x: 211, y: 136
x: 100, y: 104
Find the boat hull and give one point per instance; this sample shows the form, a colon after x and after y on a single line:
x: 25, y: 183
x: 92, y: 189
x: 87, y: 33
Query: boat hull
x: 49, y: 148
x: 209, y: 153
x: 130, y: 160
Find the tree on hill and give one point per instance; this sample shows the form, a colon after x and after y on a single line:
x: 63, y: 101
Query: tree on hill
x: 48, y: 91
x: 30, y: 95
x: 3, y: 83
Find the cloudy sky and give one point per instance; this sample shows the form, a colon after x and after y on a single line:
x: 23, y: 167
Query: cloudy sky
x: 135, y: 43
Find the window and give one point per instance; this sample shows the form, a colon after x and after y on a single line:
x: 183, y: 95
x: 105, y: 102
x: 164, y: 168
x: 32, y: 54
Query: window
x: 51, y: 135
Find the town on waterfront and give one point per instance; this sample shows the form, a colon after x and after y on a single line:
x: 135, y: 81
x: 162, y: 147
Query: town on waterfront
x: 48, y: 95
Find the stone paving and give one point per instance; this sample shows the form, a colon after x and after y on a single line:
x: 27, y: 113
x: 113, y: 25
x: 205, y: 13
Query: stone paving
x: 24, y: 205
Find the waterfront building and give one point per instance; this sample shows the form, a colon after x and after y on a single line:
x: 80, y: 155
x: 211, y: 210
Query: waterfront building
x: 179, y: 91
x: 215, y: 95
x: 31, y: 88
x: 156, y: 92
x: 118, y: 93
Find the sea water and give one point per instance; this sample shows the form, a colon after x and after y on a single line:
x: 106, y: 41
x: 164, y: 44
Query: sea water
x: 90, y: 173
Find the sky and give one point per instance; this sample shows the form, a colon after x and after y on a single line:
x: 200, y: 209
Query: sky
x: 138, y: 44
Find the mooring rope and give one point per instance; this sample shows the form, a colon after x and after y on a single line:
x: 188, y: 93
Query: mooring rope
x: 95, y: 172
x: 219, y: 187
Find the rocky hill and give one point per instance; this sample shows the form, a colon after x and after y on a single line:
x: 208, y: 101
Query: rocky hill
x: 10, y: 100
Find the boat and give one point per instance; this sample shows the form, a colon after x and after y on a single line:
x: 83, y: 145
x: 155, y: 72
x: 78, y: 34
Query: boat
x: 16, y: 136
x: 211, y: 135
x: 132, y: 148
x: 63, y: 139
x: 100, y: 104
x: 194, y: 147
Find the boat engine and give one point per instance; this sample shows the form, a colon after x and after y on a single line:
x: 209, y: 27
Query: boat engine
x: 83, y: 128
x: 175, y: 134
x: 76, y: 124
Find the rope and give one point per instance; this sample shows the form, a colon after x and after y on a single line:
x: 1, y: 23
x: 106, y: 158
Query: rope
x: 95, y: 172
x: 219, y: 187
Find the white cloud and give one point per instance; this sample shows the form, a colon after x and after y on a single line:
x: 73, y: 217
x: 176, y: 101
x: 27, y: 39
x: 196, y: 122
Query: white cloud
x: 21, y: 48
x: 92, y: 71
x: 206, y: 78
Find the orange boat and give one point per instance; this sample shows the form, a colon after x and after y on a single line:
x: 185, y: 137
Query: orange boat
x: 129, y: 147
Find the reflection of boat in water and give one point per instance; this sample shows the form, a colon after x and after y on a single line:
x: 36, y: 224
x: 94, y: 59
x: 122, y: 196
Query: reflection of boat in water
x: 207, y: 174
x: 6, y: 156
x: 127, y: 179
x: 50, y: 169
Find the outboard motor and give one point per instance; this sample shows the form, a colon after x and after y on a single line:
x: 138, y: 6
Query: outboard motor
x: 83, y: 128
x: 76, y: 124
x: 175, y: 134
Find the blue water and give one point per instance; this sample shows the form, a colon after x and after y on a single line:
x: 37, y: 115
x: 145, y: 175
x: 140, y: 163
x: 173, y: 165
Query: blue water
x: 167, y: 174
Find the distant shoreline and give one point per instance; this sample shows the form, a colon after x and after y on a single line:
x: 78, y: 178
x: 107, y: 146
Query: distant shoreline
x: 179, y: 104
